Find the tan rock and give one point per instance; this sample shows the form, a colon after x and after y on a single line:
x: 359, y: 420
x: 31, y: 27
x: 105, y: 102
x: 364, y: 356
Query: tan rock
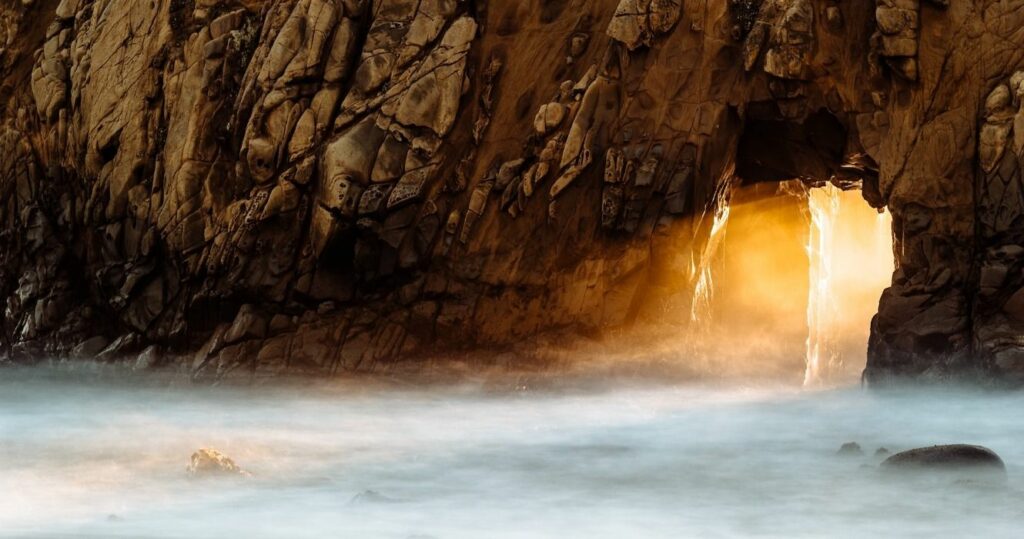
x: 429, y: 96
x: 210, y: 463
x: 548, y: 118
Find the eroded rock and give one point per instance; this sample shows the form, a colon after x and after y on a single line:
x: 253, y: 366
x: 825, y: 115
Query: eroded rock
x: 638, y: 22
x: 428, y: 169
x: 212, y: 463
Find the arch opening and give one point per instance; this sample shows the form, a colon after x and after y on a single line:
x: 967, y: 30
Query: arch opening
x: 794, y: 267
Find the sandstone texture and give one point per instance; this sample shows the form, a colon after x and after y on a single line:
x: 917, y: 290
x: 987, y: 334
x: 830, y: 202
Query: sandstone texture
x: 252, y: 188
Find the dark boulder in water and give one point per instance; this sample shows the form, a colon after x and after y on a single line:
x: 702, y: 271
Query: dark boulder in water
x: 850, y: 449
x: 974, y: 461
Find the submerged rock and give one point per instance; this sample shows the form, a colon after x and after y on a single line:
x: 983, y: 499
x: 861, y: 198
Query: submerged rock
x: 210, y: 462
x: 973, y: 461
x: 850, y: 449
x: 881, y: 452
x: 371, y: 496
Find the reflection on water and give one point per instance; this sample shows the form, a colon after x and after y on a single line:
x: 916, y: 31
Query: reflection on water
x: 106, y: 459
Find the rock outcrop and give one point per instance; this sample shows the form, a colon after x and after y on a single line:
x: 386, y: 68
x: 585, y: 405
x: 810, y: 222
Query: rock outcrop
x: 210, y: 463
x: 259, y: 187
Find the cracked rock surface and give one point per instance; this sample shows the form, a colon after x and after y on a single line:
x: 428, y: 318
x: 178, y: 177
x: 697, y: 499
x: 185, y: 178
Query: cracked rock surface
x: 250, y: 188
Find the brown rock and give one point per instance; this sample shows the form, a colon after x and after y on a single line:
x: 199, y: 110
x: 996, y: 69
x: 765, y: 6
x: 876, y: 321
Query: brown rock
x: 211, y: 463
x: 183, y: 163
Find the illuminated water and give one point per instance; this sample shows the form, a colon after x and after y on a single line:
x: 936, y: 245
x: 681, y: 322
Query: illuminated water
x: 102, y: 459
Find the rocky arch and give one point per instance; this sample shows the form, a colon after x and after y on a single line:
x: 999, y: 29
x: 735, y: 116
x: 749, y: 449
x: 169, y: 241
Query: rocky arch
x: 360, y: 180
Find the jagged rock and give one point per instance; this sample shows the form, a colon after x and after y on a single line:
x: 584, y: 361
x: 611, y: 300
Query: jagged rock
x: 898, y: 33
x: 410, y: 187
x: 211, y: 463
x: 148, y: 359
x: 790, y: 41
x: 90, y: 348
x: 430, y: 95
x: 249, y: 324
x: 637, y: 22
x: 283, y: 198
x: 162, y: 166
x: 374, y: 198
x: 121, y: 348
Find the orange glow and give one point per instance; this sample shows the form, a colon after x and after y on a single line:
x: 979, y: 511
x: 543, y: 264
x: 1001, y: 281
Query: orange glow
x: 780, y: 283
x: 854, y: 264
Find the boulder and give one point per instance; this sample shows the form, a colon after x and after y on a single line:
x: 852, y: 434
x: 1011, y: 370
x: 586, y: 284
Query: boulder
x: 210, y: 462
x: 973, y: 461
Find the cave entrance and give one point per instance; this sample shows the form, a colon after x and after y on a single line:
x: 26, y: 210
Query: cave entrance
x: 797, y: 271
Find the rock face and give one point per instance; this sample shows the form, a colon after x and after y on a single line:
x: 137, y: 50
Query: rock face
x: 955, y: 458
x: 259, y: 187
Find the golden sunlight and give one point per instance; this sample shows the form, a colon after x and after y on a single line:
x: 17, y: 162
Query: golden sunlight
x: 789, y: 282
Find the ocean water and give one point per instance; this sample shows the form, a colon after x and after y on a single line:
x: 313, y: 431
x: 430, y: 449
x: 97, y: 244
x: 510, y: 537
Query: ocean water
x: 84, y: 457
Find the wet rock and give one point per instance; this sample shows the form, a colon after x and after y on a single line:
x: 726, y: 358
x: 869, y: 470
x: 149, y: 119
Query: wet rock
x: 211, y: 463
x: 972, y: 461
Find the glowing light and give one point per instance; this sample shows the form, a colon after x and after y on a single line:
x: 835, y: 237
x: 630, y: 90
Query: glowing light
x: 823, y: 206
x: 772, y: 281
x: 703, y: 290
x: 850, y: 255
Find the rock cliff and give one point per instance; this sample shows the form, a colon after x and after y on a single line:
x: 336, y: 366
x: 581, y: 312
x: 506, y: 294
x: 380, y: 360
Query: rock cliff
x: 254, y: 187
